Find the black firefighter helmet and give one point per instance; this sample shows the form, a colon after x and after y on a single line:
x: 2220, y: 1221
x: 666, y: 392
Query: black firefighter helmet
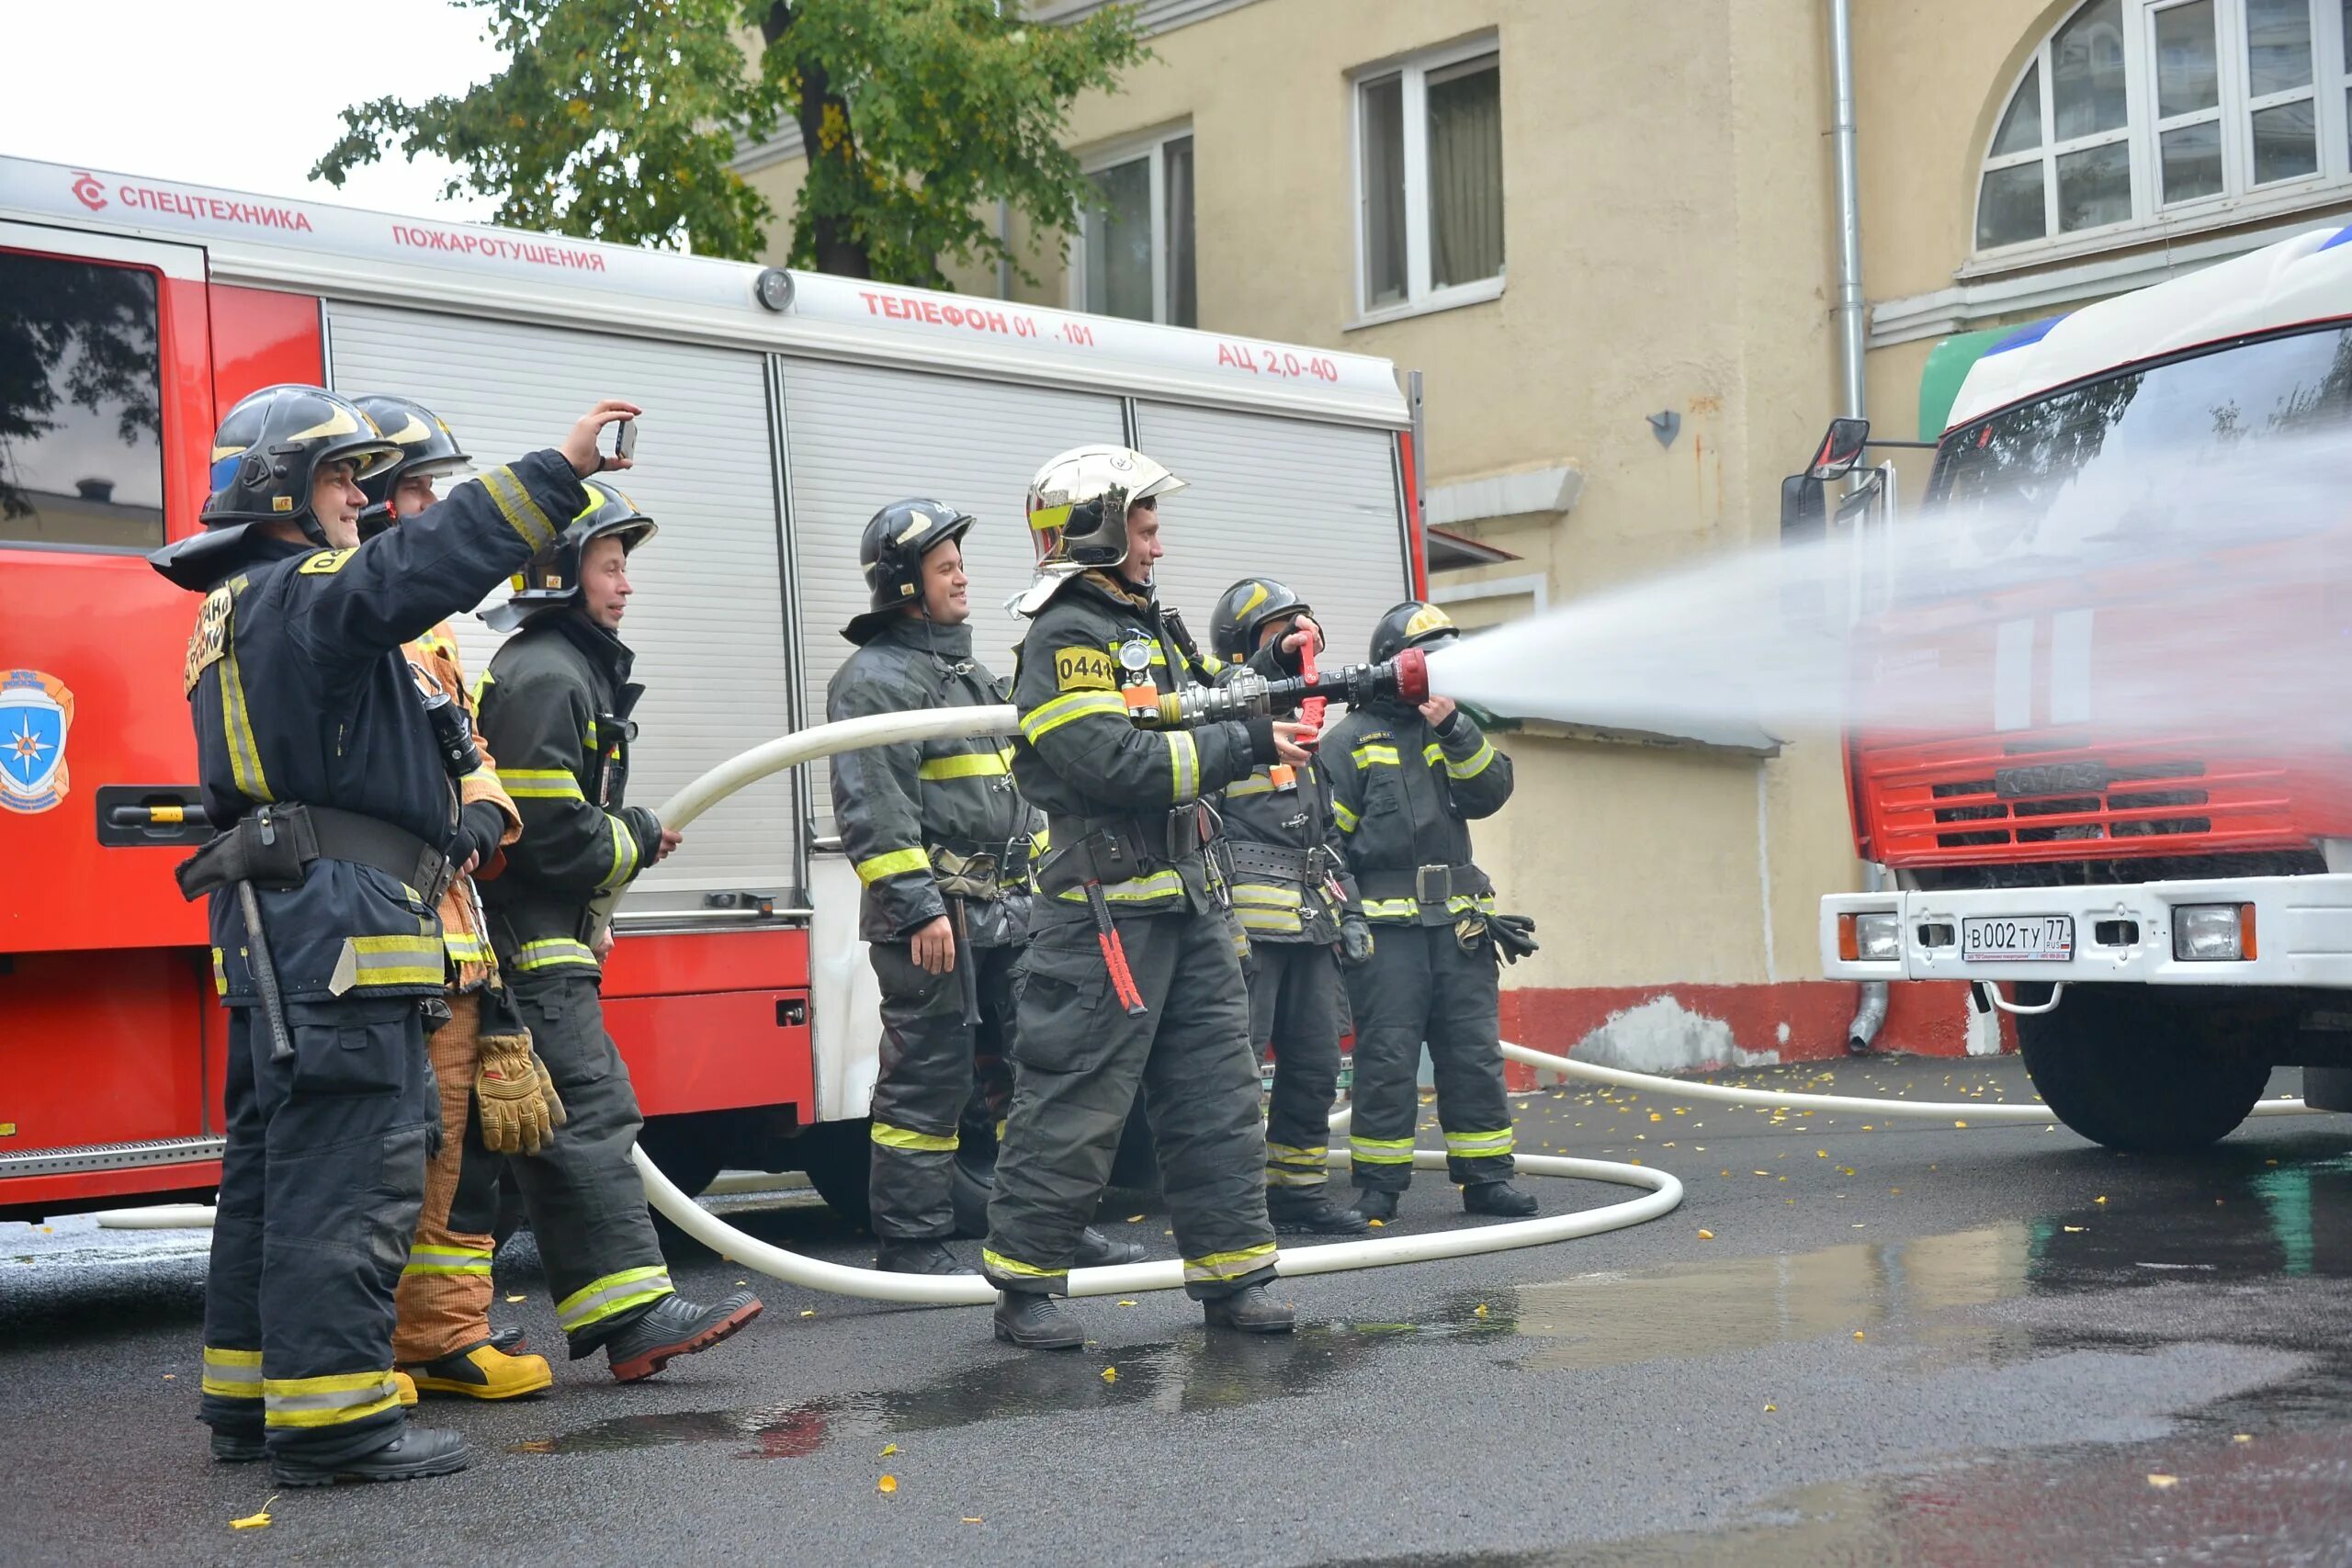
x: 552, y: 577
x: 1416, y: 623
x: 265, y: 457
x: 427, y: 450
x: 1245, y: 610
x: 890, y: 553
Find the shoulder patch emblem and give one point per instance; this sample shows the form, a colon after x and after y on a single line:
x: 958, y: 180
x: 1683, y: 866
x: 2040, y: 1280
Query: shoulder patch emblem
x: 210, y: 640
x: 325, y: 562
x: 1082, y: 670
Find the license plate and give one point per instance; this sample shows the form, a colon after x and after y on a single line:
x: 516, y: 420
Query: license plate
x: 2016, y: 939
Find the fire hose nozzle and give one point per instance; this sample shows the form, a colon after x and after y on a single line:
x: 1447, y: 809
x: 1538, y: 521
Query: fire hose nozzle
x: 1248, y: 695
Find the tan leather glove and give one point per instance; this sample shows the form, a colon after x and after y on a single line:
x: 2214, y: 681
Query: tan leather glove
x: 515, y: 1119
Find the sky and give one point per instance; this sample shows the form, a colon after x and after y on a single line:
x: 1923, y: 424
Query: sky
x: 244, y: 95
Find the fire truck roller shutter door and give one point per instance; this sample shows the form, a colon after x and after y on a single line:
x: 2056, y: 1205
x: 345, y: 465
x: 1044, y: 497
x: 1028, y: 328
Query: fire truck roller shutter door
x: 860, y: 436
x: 1312, y: 505
x: 707, y: 618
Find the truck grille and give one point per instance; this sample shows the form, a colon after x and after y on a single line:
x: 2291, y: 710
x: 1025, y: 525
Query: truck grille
x: 1957, y: 801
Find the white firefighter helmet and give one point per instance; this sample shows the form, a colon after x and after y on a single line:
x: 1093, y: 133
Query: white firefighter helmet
x: 1078, y: 504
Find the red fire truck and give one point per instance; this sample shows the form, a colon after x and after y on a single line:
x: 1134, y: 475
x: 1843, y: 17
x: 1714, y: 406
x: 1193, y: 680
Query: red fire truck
x: 2162, y: 897
x: 782, y: 409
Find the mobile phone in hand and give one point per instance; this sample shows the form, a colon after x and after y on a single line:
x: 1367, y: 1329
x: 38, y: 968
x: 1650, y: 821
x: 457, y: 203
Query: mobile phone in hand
x: 625, y: 438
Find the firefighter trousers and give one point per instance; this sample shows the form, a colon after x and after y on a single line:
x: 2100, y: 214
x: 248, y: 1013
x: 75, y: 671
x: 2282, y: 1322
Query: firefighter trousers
x: 1078, y: 1061
x: 1295, y: 1004
x: 927, y: 1078
x: 444, y: 1290
x: 1421, y: 985
x: 586, y: 1203
x: 320, y: 1183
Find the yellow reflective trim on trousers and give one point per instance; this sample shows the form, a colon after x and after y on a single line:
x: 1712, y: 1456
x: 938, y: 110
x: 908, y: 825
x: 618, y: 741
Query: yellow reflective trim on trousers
x: 539, y: 784
x: 1480, y: 1146
x: 907, y: 1138
x: 1470, y: 767
x: 1018, y: 1269
x: 1229, y: 1265
x: 1391, y: 908
x: 237, y: 727
x: 1184, y: 763
x: 329, y: 1401
x: 966, y: 765
x: 1134, y: 890
x: 549, y: 952
x: 600, y: 1299
x: 232, y: 1374
x: 1381, y: 1151
x: 1293, y: 1165
x: 1368, y: 755
x: 1046, y: 717
x: 515, y: 504
x: 897, y: 862
x: 624, y: 865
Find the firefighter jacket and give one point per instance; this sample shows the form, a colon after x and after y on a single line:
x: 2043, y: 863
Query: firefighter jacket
x: 1290, y: 881
x: 299, y: 692
x: 922, y: 820
x: 555, y: 707
x: 435, y: 656
x: 1403, y: 795
x: 1121, y: 802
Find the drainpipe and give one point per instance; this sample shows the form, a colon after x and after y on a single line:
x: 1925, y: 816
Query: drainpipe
x: 1870, y: 1016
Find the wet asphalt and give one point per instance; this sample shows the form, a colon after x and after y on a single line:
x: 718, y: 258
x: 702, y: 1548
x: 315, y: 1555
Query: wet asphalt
x: 1904, y: 1343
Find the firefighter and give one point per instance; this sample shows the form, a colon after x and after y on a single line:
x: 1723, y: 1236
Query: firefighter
x: 941, y: 841
x: 1406, y: 783
x: 1133, y: 976
x: 1295, y: 898
x: 320, y: 765
x: 443, y: 1341
x: 555, y: 707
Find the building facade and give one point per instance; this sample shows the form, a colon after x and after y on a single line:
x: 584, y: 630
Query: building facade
x: 1607, y: 237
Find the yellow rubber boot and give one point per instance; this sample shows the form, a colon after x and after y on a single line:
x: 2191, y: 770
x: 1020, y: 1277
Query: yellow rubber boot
x: 406, y: 1387
x: 478, y: 1372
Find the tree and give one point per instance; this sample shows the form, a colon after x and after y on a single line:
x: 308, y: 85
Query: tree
x: 617, y: 120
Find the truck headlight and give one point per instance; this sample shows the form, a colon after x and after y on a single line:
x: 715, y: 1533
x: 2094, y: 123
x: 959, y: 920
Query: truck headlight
x: 2212, y: 932
x: 1876, y: 938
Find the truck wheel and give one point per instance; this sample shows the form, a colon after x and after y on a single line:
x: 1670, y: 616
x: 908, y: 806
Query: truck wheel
x: 2142, y: 1068
x: 838, y: 1159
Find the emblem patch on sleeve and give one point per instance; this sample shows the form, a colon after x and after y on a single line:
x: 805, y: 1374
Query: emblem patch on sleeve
x: 211, y: 638
x: 325, y: 562
x: 1082, y: 670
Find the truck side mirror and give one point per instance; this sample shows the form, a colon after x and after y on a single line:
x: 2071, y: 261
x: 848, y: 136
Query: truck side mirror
x: 1803, y: 508
x: 1840, y: 449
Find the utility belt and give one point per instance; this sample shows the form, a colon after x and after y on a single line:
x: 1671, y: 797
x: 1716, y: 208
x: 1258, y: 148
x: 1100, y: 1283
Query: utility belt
x: 1107, y: 850
x: 272, y: 846
x: 1282, y: 864
x: 1426, y: 892
x: 981, y: 873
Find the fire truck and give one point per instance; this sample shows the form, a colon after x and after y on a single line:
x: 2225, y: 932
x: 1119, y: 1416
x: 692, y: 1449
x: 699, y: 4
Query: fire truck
x: 2161, y: 899
x: 782, y: 409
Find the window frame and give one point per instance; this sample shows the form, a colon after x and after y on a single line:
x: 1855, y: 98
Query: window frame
x: 1412, y: 72
x: 2239, y: 200
x: 1151, y: 145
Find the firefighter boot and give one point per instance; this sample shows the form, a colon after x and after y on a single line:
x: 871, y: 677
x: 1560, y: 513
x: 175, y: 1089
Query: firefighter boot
x: 412, y: 1454
x: 1498, y: 1198
x: 1095, y: 1250
x: 509, y: 1341
x: 1249, y: 1309
x: 233, y: 1448
x: 671, y: 1327
x: 1374, y: 1204
x: 1310, y: 1212
x: 482, y: 1371
x: 1035, y: 1320
x: 899, y: 1255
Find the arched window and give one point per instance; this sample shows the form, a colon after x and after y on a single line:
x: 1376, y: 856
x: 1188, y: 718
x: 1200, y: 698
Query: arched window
x: 2134, y: 113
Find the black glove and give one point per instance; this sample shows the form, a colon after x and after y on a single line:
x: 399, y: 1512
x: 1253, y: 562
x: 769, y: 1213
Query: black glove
x: 481, y: 828
x: 1355, y: 940
x: 1514, y: 936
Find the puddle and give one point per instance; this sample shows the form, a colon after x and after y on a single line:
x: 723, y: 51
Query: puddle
x: 1206, y: 1372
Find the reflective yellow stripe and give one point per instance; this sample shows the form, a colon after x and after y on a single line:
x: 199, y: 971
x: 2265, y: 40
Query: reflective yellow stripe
x: 329, y: 1401
x: 1158, y: 885
x: 1018, y: 1269
x: 1046, y: 717
x: 1480, y: 1146
x: 465, y: 948
x: 1380, y: 1151
x: 219, y: 974
x: 1184, y: 762
x: 1229, y: 1265
x: 244, y: 752
x: 1256, y: 784
x: 550, y: 952
x: 600, y: 1299
x: 398, y: 960
x: 1472, y: 765
x: 897, y: 862
x: 1346, y: 818
x: 1462, y: 903
x: 1433, y: 753
x: 232, y: 1374
x: 515, y: 504
x: 1391, y: 909
x: 539, y: 784
x: 445, y: 1261
x: 891, y: 1137
x: 1367, y: 755
x: 966, y: 765
x: 624, y: 865
x: 1269, y: 894
x: 1270, y: 923
x: 1293, y: 1165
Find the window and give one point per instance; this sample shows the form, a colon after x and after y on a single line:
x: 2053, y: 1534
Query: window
x: 2137, y: 112
x: 1136, y: 240
x: 81, y: 397
x: 1429, y: 172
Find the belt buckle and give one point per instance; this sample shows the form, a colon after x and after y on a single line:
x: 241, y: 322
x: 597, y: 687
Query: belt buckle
x: 1421, y: 886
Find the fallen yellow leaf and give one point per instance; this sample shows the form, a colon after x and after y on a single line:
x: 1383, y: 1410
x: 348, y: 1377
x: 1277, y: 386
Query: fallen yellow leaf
x: 971, y: 1518
x: 1110, y: 1374
x: 1134, y: 1219
x: 257, y: 1520
x: 2074, y: 1229
x: 1478, y: 1311
x: 889, y: 1449
x: 888, y: 1483
x: 2242, y: 1437
x: 807, y: 1312
x: 2162, y: 1481
x: 1769, y: 1409
x: 1821, y: 1154
x: 1656, y: 1117
x: 518, y: 1298
x: 1126, y: 1303
x: 1706, y: 1235
x: 1858, y: 1334
x: 1959, y: 1123
x: 1378, y: 1224
x: 169, y: 1376
x: 2100, y: 1198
